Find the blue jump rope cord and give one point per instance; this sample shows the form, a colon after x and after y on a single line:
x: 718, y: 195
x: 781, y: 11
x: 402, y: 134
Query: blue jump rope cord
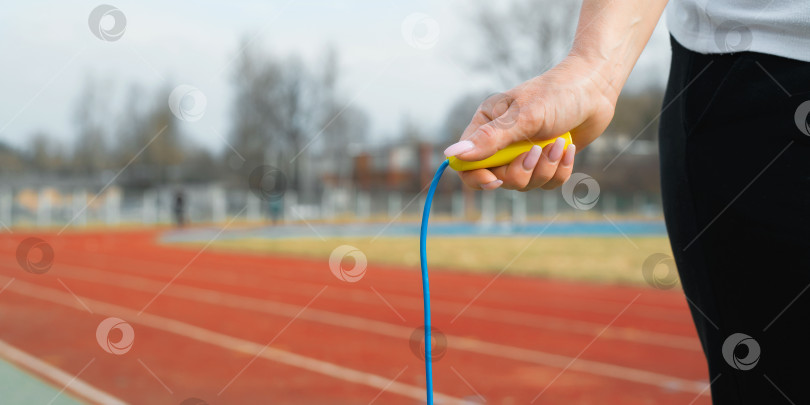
x: 425, y: 281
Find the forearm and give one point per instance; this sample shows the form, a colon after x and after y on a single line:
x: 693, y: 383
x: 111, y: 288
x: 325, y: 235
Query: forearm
x: 610, y: 37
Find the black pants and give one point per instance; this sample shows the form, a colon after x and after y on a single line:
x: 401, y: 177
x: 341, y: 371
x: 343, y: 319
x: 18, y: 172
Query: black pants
x: 735, y: 171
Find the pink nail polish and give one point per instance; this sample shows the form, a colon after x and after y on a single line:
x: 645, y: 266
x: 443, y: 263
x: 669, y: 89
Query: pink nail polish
x: 530, y: 161
x: 556, y: 151
x: 492, y: 185
x: 568, y: 159
x: 459, y: 148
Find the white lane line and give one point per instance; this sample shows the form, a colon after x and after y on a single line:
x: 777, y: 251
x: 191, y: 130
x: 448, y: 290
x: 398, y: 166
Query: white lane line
x: 386, y: 387
x: 74, y: 378
x: 272, y: 340
x: 229, y: 342
x: 73, y: 294
x: 387, y: 329
x: 583, y: 303
x: 494, y: 315
x: 56, y: 376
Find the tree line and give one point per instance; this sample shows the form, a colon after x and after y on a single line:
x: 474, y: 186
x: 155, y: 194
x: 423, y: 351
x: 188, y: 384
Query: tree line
x: 286, y: 112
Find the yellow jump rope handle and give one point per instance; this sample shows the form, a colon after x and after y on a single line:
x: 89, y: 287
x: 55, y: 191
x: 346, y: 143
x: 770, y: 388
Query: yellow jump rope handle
x: 503, y: 156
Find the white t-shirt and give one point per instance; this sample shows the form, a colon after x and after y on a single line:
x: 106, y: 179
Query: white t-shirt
x: 776, y: 27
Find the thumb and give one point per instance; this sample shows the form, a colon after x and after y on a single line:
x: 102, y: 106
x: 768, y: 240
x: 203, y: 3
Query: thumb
x: 485, y: 140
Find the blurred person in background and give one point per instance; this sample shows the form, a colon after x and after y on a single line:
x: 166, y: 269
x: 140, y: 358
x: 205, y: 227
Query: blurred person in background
x: 179, y: 208
x: 276, y: 207
x: 734, y: 145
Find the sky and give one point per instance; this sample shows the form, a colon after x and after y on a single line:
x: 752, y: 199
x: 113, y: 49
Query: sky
x: 50, y: 52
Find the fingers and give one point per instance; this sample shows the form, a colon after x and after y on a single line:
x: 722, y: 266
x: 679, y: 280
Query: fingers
x: 485, y: 140
x: 498, y: 122
x: 538, y: 168
x: 481, y: 179
x: 553, y: 168
x: 516, y: 175
x: 563, y: 170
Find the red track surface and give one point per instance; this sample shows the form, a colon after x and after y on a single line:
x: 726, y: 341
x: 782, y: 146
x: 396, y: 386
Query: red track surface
x: 202, y: 321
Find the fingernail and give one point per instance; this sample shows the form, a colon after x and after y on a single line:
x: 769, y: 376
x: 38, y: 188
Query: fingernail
x: 458, y: 148
x: 557, y: 150
x: 568, y: 160
x: 492, y: 185
x: 530, y: 161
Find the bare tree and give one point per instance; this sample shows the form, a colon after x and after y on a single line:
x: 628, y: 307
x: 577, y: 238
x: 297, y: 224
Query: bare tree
x: 342, y: 123
x: 11, y: 161
x: 149, y: 140
x: 522, y: 38
x: 90, y: 149
x: 261, y: 116
x: 281, y: 106
x: 46, y: 154
x: 161, y: 132
x: 349, y: 125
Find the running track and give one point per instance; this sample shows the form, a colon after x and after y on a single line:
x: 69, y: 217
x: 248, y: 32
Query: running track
x: 248, y: 329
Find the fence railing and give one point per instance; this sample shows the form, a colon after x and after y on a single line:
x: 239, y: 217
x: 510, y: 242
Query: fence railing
x: 48, y: 207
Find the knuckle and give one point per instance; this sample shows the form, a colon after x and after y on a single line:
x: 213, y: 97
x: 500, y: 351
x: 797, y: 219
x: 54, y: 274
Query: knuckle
x: 495, y: 100
x: 488, y: 104
x: 487, y: 135
x: 531, y: 118
x: 561, y: 176
x: 557, y: 180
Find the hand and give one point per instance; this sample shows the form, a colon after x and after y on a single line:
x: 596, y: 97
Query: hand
x: 572, y: 96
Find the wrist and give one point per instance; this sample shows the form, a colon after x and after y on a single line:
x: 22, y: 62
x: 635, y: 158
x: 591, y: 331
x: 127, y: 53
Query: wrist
x: 601, y: 75
x: 610, y: 37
